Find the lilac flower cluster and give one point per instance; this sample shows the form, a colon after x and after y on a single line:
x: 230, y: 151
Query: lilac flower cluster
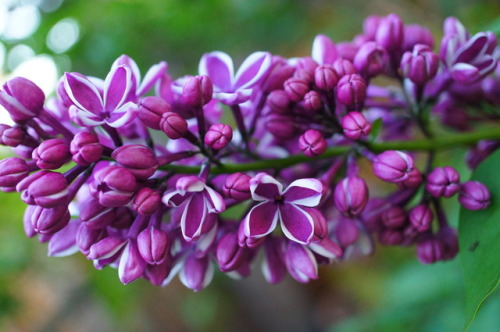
x: 156, y: 185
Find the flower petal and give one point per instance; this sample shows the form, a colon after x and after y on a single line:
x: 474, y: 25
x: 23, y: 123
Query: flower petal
x: 323, y: 50
x: 117, y: 87
x: 306, y: 192
x: 83, y: 93
x: 219, y: 66
x: 125, y: 60
x: 152, y: 76
x: 261, y: 220
x: 233, y: 98
x: 297, y: 224
x: 192, y: 219
x: 255, y: 67
x: 265, y: 188
x: 123, y: 115
x: 85, y: 118
x: 215, y: 200
x: 326, y: 248
x: 131, y: 265
x: 174, y: 199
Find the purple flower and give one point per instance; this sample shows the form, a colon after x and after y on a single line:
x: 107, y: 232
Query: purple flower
x: 22, y: 98
x: 325, y: 77
x: 443, y: 181
x: 197, y: 91
x: 324, y: 50
x: 287, y: 207
x: 230, y: 256
x: 351, y: 195
x: 114, y: 186
x: 474, y: 195
x: 296, y: 88
x: 51, y: 154
x: 218, y: 136
x: 355, y: 125
x: 151, y: 110
x: 131, y: 265
x: 351, y: 91
x: 420, y: 65
x: 370, y: 60
x: 300, y: 262
x: 198, y: 206
x: 12, y: 171
x: 63, y: 243
x: 393, y: 166
x: 196, y: 273
x: 137, y: 159
x: 312, y: 143
x: 113, y: 107
x: 233, y: 89
x: 147, y: 201
x: 173, y: 125
x: 45, y: 188
x: 237, y: 186
x: 153, y: 245
x: 85, y: 148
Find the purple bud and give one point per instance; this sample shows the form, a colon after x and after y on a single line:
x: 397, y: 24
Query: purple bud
x: 325, y: 77
x: 391, y: 237
x: 320, y: 224
x: 474, y: 195
x: 44, y: 188
x: 279, y: 73
x: 51, y: 154
x: 137, y: 159
x: 27, y: 225
x: 417, y: 34
x: 278, y: 101
x: 230, y: 256
x: 218, y: 136
x: 197, y: 91
x: 443, y: 182
x: 131, y: 266
x: 421, y: 65
x: 63, y: 243
x: 300, y: 262
x: 86, y: 237
x: 237, y: 186
x: 390, y: 33
x: 106, y: 247
x: 12, y: 171
x: 370, y: 26
x: 22, y: 98
x: 421, y: 218
x: 151, y: 110
x: 153, y: 245
x: 146, y: 202
x: 351, y: 195
x: 123, y: 218
x: 85, y: 148
x: 296, y: 88
x: 281, y: 126
x: 95, y: 216
x: 49, y: 220
x: 312, y: 143
x: 449, y: 242
x: 351, y: 91
x: 394, y: 217
x: 245, y: 241
x: 173, y: 125
x: 196, y: 273
x: 414, y: 180
x: 114, y: 186
x: 346, y: 232
x: 343, y: 67
x: 393, y: 166
x: 312, y: 101
x: 355, y: 125
x: 429, y: 250
x: 11, y: 136
x: 370, y: 60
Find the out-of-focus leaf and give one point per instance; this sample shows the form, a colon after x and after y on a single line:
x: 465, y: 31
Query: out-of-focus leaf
x: 376, y: 128
x: 479, y: 232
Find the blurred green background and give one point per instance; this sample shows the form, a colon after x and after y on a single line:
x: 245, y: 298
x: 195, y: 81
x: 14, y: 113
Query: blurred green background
x: 388, y: 292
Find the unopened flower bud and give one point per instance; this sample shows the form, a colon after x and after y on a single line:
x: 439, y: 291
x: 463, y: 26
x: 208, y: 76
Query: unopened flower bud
x: 414, y: 180
x: 230, y: 256
x: 346, y: 232
x: 278, y: 101
x: 429, y: 250
x: 394, y: 217
x: 51, y: 154
x: 391, y: 237
x: 218, y: 136
x: 296, y: 88
x: 416, y: 34
x: 44, y: 188
x: 49, y: 220
x: 390, y: 33
x: 196, y: 273
x: 393, y: 166
x: 443, y: 182
x: 22, y: 98
x: 325, y: 77
x: 173, y: 125
x: 420, y: 65
x: 197, y: 91
x: 300, y: 262
x: 351, y: 195
x: 12, y: 171
x: 281, y: 126
x: 11, y: 136
x: 114, y: 186
x: 237, y: 186
x: 131, y: 265
x: 474, y: 195
x: 355, y: 125
x: 151, y: 110
x: 146, y: 202
x: 153, y: 245
x: 85, y: 148
x: 351, y: 91
x: 312, y: 143
x: 136, y: 158
x: 343, y: 67
x: 86, y: 237
x: 421, y: 217
x: 312, y: 101
x: 95, y: 215
x: 246, y: 241
x: 370, y: 60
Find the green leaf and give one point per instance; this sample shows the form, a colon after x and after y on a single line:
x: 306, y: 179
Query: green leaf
x: 376, y: 129
x: 479, y: 234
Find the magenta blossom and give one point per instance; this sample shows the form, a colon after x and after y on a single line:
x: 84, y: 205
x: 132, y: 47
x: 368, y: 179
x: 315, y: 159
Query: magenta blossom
x: 198, y: 206
x: 287, y: 207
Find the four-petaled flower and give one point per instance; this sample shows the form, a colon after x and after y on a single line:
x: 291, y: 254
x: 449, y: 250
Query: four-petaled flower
x: 198, y: 206
x: 289, y: 207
